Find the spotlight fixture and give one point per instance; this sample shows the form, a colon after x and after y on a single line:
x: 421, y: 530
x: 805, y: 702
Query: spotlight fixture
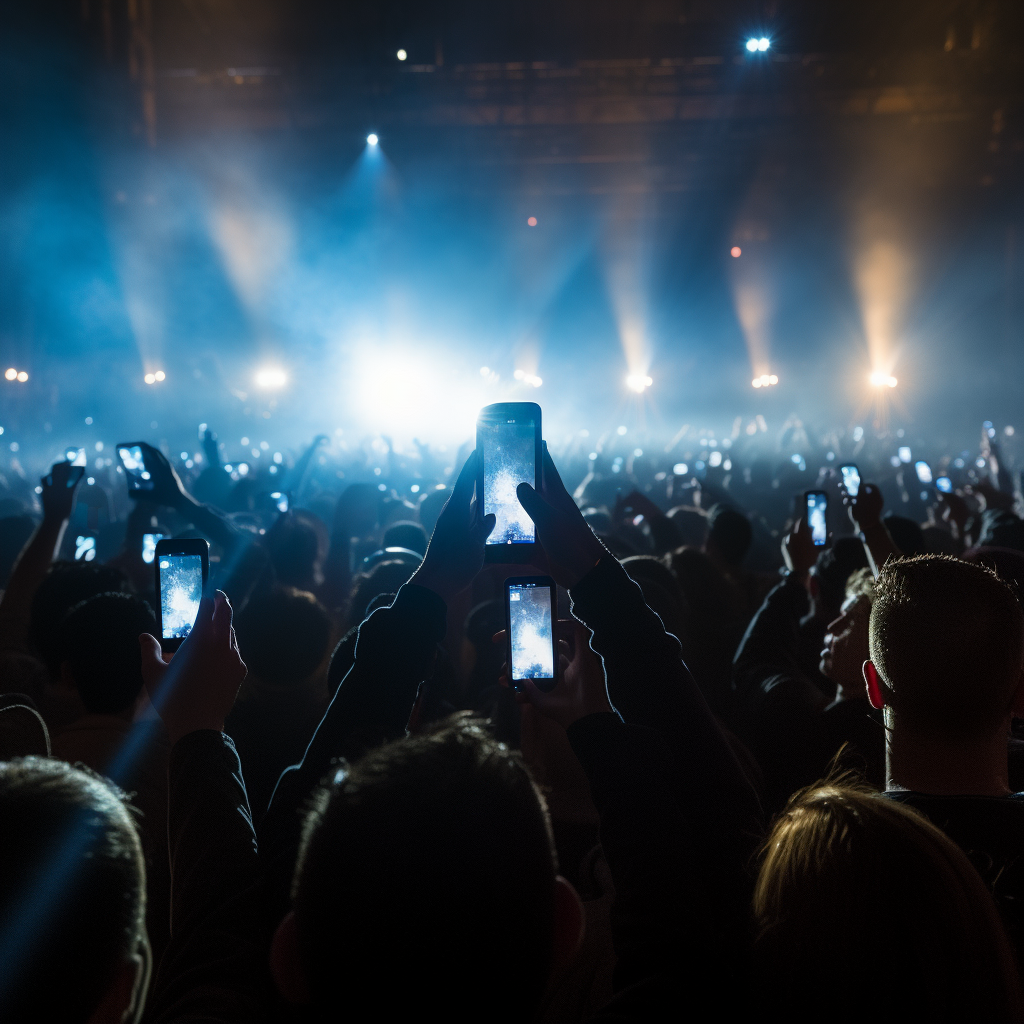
x: 371, y: 139
x: 401, y: 55
x: 638, y: 382
x: 758, y: 45
x: 882, y: 380
x: 271, y: 377
x: 766, y: 380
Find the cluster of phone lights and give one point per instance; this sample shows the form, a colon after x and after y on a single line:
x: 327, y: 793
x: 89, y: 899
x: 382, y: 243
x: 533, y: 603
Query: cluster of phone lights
x: 19, y: 375
x: 766, y: 380
x: 155, y: 378
x: 882, y: 380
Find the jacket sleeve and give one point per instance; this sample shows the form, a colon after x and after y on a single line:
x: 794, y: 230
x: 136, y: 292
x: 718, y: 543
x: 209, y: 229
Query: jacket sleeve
x: 214, y: 968
x: 395, y: 651
x: 771, y: 644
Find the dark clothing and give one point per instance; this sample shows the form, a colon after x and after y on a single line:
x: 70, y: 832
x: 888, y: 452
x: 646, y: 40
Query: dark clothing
x: 990, y: 830
x: 271, y: 727
x: 215, y: 968
x: 784, y: 717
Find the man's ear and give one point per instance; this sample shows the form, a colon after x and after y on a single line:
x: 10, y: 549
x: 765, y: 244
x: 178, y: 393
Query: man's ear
x: 877, y: 690
x: 285, y: 963
x: 569, y: 923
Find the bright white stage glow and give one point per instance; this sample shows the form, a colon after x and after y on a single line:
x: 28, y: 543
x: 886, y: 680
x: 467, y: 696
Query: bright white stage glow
x: 401, y: 55
x: 638, y: 382
x: 758, y: 45
x: 752, y: 45
x: 528, y: 378
x: 883, y: 380
x: 271, y: 377
x: 371, y: 139
x: 407, y: 394
x: 22, y: 376
x: 11, y: 374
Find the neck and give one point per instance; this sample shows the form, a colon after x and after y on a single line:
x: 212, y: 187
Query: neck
x: 926, y: 763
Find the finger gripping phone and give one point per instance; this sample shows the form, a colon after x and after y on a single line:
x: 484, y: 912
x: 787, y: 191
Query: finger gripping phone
x: 182, y: 569
x: 508, y: 438
x: 851, y: 478
x: 816, y: 503
x: 133, y: 460
x: 530, y: 631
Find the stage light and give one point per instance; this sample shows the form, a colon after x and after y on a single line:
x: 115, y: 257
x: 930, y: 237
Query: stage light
x: 638, y: 382
x: 735, y: 252
x: 160, y: 375
x: 773, y: 379
x: 883, y: 380
x: 680, y: 469
x: 763, y: 43
x: 532, y: 221
x: 752, y: 45
x: 22, y: 376
x: 528, y: 378
x: 11, y: 374
x: 756, y: 382
x: 401, y: 55
x: 271, y: 377
x: 371, y: 139
x: 150, y: 378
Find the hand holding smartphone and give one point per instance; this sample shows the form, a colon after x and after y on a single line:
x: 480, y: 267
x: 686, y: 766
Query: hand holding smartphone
x: 133, y: 460
x: 508, y: 438
x: 816, y: 504
x: 182, y: 570
x: 530, y: 631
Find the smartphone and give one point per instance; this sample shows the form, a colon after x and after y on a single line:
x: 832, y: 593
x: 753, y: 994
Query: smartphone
x: 508, y: 438
x: 280, y: 501
x: 85, y: 547
x: 134, y: 462
x: 76, y: 456
x: 149, y: 543
x: 944, y: 484
x: 530, y: 628
x: 817, y: 507
x: 182, y: 568
x: 904, y: 453
x: 851, y: 478
x: 924, y: 471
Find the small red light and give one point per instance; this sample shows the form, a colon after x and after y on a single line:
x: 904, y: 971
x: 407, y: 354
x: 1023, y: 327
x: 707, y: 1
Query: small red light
x: 735, y: 252
x: 532, y: 221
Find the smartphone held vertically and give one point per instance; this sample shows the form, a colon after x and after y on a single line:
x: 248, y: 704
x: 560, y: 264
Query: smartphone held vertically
x: 508, y: 440
x: 530, y: 629
x: 133, y: 459
x: 182, y: 568
x: 851, y: 478
x: 817, y: 508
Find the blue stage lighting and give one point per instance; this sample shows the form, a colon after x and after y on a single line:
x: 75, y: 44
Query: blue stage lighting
x: 752, y: 45
x: 371, y: 139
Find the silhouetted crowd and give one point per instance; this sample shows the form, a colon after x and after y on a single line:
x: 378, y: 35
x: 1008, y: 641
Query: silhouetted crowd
x: 773, y: 775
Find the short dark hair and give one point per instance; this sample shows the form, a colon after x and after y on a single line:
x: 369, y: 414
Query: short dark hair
x: 88, y: 915
x: 435, y: 853
x: 905, y: 533
x: 947, y: 637
x: 833, y: 568
x: 283, y: 634
x: 100, y: 641
x: 384, y: 578
x: 293, y: 545
x: 65, y: 585
x: 731, y: 531
x: 405, y: 534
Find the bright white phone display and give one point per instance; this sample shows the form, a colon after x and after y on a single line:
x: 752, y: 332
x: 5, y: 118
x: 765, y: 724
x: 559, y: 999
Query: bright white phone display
x: 531, y: 624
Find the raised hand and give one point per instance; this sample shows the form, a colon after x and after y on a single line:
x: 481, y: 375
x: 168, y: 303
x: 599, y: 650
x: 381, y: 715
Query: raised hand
x: 570, y: 546
x: 455, y: 553
x: 167, y: 486
x: 60, y: 488
x: 866, y: 509
x: 798, y: 550
x: 197, y: 688
x: 581, y: 689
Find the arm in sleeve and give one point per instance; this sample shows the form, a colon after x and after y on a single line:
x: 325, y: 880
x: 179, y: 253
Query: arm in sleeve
x: 215, y: 966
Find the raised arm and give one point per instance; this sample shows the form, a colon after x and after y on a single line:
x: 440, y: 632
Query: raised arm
x: 60, y: 488
x: 866, y: 514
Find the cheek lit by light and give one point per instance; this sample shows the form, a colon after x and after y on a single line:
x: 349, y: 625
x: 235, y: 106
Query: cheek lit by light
x: 271, y: 377
x: 883, y: 380
x: 638, y: 382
